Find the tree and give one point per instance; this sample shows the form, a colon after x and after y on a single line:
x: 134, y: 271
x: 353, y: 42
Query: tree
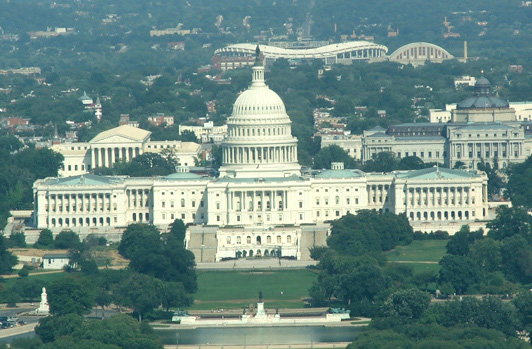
x: 52, y: 327
x: 66, y: 239
x: 189, y: 136
x: 23, y: 272
x: 459, y: 271
x: 489, y: 312
x: 369, y: 231
x: 511, y: 221
x: 173, y: 294
x: 42, y: 162
x: 140, y: 292
x: 138, y: 237
x: 516, y: 255
x: 460, y: 242
x: 486, y: 253
x: 70, y: 295
x: 519, y: 188
x: 523, y: 304
x: 7, y: 258
x: 411, y: 163
x: 149, y: 164
x: 46, y: 239
x: 406, y: 304
x: 332, y: 153
x: 17, y: 240
x: 178, y: 230
x: 381, y: 162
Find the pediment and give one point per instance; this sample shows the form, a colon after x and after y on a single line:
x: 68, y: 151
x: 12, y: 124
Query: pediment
x: 116, y: 139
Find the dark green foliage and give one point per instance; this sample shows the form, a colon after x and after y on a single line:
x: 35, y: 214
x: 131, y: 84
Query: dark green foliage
x: 381, y: 162
x: 516, y: 255
x: 70, y: 295
x: 434, y: 336
x: 178, y: 231
x: 140, y: 292
x: 52, y: 327
x: 411, y: 163
x: 332, y: 153
x: 66, y: 239
x: 523, y: 304
x: 437, y: 235
x: 46, y: 239
x: 23, y: 272
x: 460, y: 242
x: 405, y: 304
x: 510, y: 222
x: 17, y: 240
x: 189, y: 136
x: 495, y: 180
x: 489, y: 312
x: 166, y: 260
x: 138, y: 237
x: 29, y: 289
x: 369, y: 231
x: 119, y: 331
x: 458, y: 271
x: 7, y: 258
x: 519, y: 188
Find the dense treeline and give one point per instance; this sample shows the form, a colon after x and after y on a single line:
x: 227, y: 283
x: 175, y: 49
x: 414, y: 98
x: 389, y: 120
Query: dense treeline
x: 354, y: 274
x: 20, y: 168
x: 161, y: 273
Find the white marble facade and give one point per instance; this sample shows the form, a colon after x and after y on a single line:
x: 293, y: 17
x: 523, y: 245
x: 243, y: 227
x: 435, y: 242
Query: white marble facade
x: 260, y: 203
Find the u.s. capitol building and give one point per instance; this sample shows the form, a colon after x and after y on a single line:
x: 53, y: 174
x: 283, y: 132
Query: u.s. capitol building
x: 260, y: 204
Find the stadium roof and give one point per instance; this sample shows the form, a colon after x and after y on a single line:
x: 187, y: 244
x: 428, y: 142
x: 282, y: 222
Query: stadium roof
x: 309, y: 53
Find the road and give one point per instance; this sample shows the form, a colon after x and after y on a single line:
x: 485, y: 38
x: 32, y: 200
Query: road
x: 13, y: 331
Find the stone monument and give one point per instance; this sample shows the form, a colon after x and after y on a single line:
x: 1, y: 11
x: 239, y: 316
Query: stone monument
x: 261, y: 314
x: 44, y: 307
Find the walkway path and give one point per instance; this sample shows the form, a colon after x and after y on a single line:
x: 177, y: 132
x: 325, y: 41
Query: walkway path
x: 10, y: 276
x: 279, y: 346
x: 257, y: 264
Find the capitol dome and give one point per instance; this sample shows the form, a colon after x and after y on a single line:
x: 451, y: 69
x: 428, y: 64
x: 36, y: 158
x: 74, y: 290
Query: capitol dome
x: 259, y: 139
x: 258, y: 102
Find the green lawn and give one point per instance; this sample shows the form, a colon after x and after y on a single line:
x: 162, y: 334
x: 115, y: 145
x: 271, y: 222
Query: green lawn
x: 419, y: 251
x: 47, y: 278
x: 233, y: 289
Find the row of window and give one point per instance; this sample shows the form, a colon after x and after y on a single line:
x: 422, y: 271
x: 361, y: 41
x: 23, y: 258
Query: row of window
x: 258, y: 240
x: 421, y: 154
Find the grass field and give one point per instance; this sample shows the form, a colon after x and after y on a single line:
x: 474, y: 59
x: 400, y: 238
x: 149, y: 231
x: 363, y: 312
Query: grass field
x: 47, y: 278
x: 419, y: 251
x: 235, y: 289
x: 420, y: 255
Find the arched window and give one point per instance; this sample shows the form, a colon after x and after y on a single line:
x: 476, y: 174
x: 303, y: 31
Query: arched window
x: 278, y: 239
x: 268, y: 239
x: 229, y: 240
x: 337, y: 200
x: 238, y: 240
x: 288, y: 239
x: 248, y: 239
x: 182, y: 202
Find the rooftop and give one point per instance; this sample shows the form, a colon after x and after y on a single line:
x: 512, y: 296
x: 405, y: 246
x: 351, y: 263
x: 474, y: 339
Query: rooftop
x: 339, y: 174
x: 126, y: 131
x: 85, y: 179
x: 436, y: 173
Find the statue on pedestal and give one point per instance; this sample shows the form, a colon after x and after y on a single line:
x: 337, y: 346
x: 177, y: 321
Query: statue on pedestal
x: 44, y: 307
